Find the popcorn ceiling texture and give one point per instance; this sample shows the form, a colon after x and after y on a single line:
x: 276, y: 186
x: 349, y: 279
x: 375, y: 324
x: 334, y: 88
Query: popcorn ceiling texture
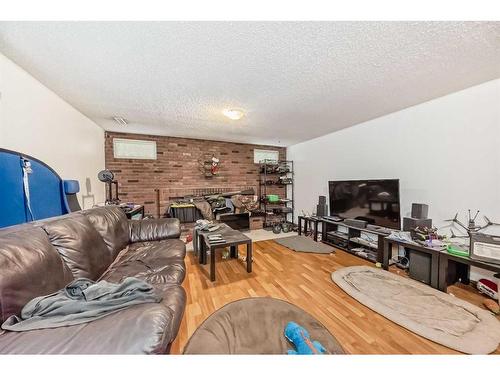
x: 296, y: 80
x: 176, y: 170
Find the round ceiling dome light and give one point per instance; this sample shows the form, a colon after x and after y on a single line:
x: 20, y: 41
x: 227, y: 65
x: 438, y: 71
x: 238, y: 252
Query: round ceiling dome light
x: 233, y: 114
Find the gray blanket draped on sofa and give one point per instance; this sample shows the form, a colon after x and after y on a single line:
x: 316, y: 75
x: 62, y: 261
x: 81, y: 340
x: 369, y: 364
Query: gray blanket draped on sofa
x: 81, y: 301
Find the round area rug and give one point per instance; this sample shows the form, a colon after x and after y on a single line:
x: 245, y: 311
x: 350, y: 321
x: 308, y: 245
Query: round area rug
x: 255, y: 326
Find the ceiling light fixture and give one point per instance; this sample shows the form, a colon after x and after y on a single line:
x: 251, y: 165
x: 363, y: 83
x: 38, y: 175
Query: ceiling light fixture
x: 120, y: 120
x: 233, y: 114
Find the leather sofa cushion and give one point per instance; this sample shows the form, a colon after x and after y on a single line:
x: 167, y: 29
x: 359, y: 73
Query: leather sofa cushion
x: 159, y: 262
x: 168, y: 249
x: 141, y: 329
x: 154, y: 229
x: 174, y: 297
x: 112, y: 224
x: 30, y: 267
x: 171, y: 273
x: 79, y: 245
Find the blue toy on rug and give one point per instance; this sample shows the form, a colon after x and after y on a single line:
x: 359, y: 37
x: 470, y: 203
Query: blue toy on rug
x: 301, y: 339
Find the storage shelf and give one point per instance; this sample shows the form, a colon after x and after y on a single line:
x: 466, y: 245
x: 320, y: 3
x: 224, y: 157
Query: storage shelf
x: 361, y: 241
x: 279, y: 203
x: 344, y: 236
x: 371, y: 257
x: 275, y: 173
x: 278, y: 185
x: 266, y: 175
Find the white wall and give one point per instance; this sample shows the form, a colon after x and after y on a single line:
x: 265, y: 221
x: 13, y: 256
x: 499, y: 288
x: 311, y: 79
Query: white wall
x: 445, y: 152
x: 35, y: 121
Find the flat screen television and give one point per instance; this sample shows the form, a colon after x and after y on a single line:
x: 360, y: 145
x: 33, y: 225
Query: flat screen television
x: 375, y: 201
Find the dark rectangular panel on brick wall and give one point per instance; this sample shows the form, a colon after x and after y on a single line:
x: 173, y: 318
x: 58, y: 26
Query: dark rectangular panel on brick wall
x: 176, y: 171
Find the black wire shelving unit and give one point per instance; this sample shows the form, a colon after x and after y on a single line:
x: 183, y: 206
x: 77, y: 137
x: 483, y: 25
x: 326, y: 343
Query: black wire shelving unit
x: 277, y: 177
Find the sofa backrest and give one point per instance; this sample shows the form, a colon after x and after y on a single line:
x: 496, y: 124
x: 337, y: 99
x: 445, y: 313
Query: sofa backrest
x: 153, y: 229
x: 41, y: 257
x: 80, y: 245
x: 112, y: 224
x: 29, y: 267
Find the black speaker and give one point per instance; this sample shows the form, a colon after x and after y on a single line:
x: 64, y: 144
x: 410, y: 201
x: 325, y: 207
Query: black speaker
x: 322, y: 207
x: 420, y: 266
x: 321, y: 210
x: 419, y: 210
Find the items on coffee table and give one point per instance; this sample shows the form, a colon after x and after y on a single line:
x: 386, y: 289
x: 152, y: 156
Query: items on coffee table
x: 223, y: 237
x: 216, y: 239
x: 207, y: 225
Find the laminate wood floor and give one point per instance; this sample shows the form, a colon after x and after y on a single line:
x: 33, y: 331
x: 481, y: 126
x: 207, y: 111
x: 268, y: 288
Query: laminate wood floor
x: 304, y: 280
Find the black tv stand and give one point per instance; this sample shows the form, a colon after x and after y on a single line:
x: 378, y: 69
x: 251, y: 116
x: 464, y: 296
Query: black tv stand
x: 335, y: 219
x: 356, y: 241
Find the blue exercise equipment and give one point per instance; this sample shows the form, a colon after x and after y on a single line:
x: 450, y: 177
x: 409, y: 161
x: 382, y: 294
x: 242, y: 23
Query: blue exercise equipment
x: 31, y: 190
x: 301, y: 339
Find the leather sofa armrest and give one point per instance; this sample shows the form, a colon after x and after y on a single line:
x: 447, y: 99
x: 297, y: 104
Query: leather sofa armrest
x: 153, y: 229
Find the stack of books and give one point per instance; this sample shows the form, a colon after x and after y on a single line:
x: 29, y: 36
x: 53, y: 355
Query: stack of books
x: 214, y: 239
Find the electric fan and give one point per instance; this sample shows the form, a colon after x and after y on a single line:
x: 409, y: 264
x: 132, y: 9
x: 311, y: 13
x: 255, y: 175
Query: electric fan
x: 108, y: 178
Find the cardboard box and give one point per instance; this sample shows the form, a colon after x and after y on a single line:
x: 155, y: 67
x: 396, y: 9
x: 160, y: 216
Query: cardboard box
x: 256, y: 222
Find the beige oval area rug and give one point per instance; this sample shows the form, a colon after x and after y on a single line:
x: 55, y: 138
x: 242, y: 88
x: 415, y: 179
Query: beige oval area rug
x: 426, y: 311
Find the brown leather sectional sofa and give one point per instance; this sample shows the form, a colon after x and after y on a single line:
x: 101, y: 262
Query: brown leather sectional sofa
x: 42, y: 257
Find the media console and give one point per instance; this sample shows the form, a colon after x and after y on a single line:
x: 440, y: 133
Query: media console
x: 367, y: 243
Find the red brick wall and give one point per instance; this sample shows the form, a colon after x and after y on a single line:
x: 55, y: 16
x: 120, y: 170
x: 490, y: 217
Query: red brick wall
x: 176, y: 172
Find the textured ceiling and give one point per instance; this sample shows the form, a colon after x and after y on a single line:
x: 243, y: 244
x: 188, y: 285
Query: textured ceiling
x: 295, y: 80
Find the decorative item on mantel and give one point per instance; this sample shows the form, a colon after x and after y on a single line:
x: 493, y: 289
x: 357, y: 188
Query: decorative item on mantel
x: 209, y: 165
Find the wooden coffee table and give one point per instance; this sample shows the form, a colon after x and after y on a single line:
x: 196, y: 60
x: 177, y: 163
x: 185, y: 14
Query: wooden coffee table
x: 233, y: 239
